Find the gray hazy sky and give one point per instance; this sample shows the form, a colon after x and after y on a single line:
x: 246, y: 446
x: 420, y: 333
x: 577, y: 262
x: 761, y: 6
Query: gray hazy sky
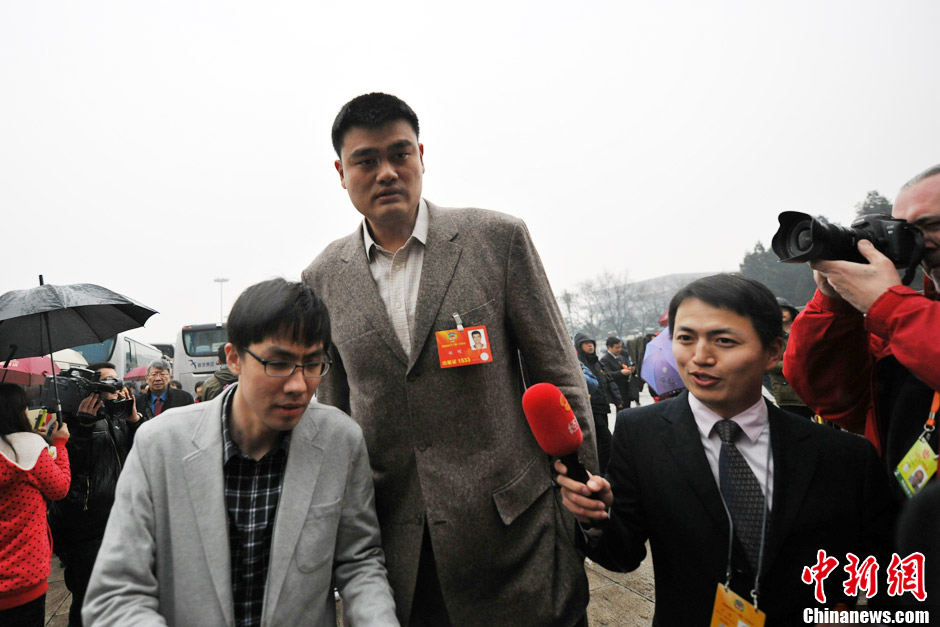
x: 152, y: 146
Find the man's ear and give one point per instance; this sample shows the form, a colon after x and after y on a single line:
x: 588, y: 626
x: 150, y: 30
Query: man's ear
x: 233, y: 359
x: 421, y: 156
x: 774, y: 353
x: 338, y: 164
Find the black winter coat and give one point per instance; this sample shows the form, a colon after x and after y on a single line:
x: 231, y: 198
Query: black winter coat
x: 607, y: 391
x: 97, y: 450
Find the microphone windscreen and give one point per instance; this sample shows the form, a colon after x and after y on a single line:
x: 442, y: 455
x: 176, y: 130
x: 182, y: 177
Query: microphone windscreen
x: 552, y: 422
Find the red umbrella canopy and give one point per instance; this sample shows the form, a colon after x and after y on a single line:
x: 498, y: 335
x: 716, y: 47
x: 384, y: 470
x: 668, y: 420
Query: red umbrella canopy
x: 26, y: 371
x: 664, y: 319
x: 136, y: 374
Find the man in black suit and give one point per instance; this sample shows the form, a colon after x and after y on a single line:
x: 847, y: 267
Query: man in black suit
x: 615, y: 363
x: 682, y: 470
x: 159, y: 396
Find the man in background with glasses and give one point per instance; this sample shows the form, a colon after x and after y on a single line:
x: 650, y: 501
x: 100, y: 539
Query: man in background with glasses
x: 159, y: 396
x: 248, y: 509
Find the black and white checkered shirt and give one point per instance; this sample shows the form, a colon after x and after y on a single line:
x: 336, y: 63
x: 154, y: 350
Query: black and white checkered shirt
x: 252, y: 491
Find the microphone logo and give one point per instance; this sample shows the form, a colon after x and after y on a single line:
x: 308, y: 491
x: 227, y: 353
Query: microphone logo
x: 573, y: 426
x: 563, y: 402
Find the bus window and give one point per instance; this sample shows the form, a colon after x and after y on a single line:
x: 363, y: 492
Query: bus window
x: 93, y: 353
x: 203, y: 342
x: 130, y: 359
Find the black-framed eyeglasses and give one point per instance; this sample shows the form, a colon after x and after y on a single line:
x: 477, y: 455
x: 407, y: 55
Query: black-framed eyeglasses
x: 283, y: 369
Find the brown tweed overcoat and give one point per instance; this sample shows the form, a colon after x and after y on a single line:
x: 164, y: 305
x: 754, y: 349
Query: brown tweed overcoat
x: 451, y: 447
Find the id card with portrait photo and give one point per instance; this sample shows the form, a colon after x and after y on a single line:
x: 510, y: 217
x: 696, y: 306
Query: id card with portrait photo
x: 916, y: 467
x: 466, y: 347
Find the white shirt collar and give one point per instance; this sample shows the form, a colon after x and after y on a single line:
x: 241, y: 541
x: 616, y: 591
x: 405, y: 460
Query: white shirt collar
x: 752, y: 420
x: 420, y: 232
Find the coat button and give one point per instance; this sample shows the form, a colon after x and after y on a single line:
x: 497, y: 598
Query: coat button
x: 412, y: 376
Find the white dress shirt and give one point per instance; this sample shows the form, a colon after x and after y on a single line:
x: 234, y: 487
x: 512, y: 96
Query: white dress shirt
x: 754, y: 445
x: 397, y: 275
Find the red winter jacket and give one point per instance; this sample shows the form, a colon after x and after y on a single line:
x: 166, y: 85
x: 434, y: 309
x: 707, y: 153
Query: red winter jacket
x: 30, y: 472
x: 834, y: 351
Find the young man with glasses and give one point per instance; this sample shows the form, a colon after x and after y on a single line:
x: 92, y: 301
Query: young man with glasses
x: 249, y: 508
x: 159, y: 396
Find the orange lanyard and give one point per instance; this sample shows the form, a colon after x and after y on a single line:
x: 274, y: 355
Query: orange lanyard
x: 932, y: 416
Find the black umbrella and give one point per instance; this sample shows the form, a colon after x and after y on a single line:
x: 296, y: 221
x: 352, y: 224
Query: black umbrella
x: 47, y: 318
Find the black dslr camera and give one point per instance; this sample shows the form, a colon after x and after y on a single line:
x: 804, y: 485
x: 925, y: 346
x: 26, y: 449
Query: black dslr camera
x: 75, y: 384
x: 802, y: 237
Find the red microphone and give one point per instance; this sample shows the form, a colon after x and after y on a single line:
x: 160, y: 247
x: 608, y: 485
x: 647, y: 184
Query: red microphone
x: 554, y: 426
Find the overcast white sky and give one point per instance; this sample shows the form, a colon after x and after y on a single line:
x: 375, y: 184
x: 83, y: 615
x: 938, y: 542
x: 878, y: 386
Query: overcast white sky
x: 151, y: 147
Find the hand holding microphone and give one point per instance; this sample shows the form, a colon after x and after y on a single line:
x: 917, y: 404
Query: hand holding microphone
x: 558, y: 433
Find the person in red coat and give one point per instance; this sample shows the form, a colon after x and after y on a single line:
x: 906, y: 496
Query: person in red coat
x: 30, y: 472
x: 863, y: 353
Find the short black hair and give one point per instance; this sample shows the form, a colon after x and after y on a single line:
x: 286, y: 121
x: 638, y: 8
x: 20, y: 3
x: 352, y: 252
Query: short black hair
x: 101, y: 365
x: 373, y: 110
x: 476, y: 332
x: 740, y: 294
x: 221, y: 353
x: 613, y: 340
x: 278, y: 309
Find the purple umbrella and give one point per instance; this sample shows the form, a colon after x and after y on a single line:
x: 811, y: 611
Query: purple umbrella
x: 659, y: 368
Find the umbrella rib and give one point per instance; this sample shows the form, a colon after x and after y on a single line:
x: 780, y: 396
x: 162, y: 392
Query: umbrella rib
x: 77, y: 312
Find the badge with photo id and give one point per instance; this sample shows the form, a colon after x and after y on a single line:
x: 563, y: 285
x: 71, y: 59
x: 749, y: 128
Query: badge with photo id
x: 916, y: 467
x: 463, y: 347
x: 731, y: 610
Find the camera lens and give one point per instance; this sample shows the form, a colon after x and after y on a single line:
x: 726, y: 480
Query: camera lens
x: 801, y: 238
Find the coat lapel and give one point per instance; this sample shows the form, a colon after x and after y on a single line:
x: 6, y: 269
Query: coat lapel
x: 203, y: 471
x: 795, y: 461
x: 355, y: 272
x: 300, y: 478
x: 440, y: 260
x: 684, y: 443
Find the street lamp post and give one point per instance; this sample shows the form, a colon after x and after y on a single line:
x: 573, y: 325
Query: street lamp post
x: 220, y: 281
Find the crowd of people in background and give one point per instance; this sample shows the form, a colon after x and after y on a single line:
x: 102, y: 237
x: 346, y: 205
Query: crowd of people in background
x: 413, y: 485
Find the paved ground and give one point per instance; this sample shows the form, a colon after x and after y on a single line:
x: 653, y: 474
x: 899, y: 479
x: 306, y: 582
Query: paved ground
x: 617, y: 600
x: 58, y: 598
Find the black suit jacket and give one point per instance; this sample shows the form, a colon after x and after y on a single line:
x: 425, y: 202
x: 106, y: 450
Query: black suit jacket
x: 613, y: 366
x: 174, y: 398
x: 830, y: 492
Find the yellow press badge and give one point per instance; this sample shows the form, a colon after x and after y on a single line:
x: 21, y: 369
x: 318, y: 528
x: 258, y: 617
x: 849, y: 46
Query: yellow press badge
x: 916, y: 467
x: 731, y: 610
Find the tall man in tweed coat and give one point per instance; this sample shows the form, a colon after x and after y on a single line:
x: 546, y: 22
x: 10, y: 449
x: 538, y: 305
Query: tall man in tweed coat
x: 472, y: 525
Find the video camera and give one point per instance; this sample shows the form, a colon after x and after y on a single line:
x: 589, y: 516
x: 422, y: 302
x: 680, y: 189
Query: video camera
x: 801, y: 237
x: 75, y: 384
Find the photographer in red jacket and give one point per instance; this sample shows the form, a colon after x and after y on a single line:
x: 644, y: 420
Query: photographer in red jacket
x: 864, y: 352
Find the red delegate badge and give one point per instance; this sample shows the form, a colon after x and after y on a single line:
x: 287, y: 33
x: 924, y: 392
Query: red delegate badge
x: 466, y: 347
